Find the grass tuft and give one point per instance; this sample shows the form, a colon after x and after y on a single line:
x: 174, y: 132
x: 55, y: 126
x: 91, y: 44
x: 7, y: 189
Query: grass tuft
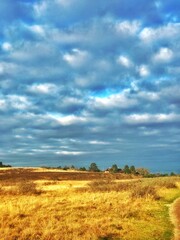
x: 144, y: 191
x: 28, y: 188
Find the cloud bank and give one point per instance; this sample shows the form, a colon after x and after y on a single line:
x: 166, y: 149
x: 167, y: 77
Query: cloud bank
x: 84, y: 81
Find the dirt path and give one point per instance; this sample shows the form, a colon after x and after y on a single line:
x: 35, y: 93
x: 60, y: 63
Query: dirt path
x: 175, y: 217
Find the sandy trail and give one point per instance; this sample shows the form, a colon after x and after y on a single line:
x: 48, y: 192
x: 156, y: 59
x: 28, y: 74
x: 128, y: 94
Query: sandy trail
x: 175, y: 217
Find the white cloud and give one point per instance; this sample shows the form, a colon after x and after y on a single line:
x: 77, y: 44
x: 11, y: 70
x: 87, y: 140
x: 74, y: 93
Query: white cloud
x: 134, y: 86
x: 37, y: 29
x: 1, y: 69
x: 95, y: 142
x: 147, y: 34
x: 143, y: 71
x: 76, y: 58
x: 163, y: 55
x: 150, y: 132
x: 72, y: 100
x: 151, y: 96
x: 19, y: 102
x: 171, y: 92
x: 169, y: 31
x: 59, y: 36
x: 114, y: 101
x: 151, y: 118
x: 74, y: 153
x: 6, y: 46
x: 127, y: 27
x: 40, y: 8
x: 8, y: 67
x: 2, y: 104
x: 124, y: 61
x: 163, y: 145
x: 68, y: 120
x: 44, y: 88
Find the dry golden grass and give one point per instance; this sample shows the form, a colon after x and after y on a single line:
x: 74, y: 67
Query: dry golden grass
x: 48, y: 209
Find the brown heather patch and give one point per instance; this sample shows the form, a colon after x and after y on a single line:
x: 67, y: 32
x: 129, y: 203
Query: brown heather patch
x: 19, y: 174
x: 137, y: 188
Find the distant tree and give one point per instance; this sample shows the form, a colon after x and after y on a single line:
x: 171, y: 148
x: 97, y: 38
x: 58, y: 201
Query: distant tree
x: 172, y: 174
x: 93, y: 167
x: 143, y: 171
x: 126, y: 169
x: 114, y: 168
x: 132, y: 169
x: 65, y: 167
x: 4, y: 166
x: 82, y: 169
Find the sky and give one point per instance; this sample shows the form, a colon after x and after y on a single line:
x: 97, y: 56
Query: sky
x: 86, y: 81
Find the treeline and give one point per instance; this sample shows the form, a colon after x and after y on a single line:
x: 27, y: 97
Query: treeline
x: 115, y: 169
x: 3, y: 165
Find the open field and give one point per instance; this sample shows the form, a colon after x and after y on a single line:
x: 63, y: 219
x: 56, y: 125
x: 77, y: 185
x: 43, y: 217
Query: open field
x: 41, y: 204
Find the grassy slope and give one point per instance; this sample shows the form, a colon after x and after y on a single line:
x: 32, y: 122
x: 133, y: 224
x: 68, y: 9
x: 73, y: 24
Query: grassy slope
x: 69, y: 209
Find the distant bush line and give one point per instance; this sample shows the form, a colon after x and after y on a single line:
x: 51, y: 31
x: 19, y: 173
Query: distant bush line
x: 144, y: 172
x: 3, y: 165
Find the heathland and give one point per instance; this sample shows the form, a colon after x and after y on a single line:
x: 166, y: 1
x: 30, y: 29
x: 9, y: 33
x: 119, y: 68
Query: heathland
x: 53, y: 204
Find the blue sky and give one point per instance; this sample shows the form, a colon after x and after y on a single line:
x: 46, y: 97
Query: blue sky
x: 84, y: 81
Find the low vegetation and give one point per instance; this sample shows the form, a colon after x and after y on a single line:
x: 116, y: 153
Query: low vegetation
x: 4, y: 166
x: 129, y: 170
x: 42, y: 204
